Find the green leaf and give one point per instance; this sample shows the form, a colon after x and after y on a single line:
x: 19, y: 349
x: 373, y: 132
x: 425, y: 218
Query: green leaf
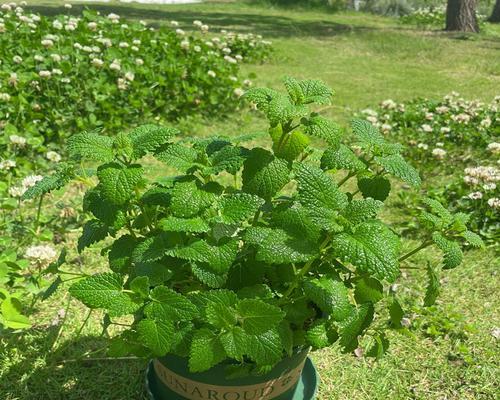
x: 317, y: 334
x: 156, y: 335
x: 104, y: 291
x: 60, y: 178
x: 238, y: 207
x: 90, y: 146
x: 263, y: 174
x: 229, y: 158
x: 120, y: 253
x: 261, y: 97
x: 331, y: 296
x: 148, y: 138
x: 323, y: 128
x: 358, y: 211
x: 189, y: 200
x: 453, y: 255
x: 295, y: 219
x: 191, y: 225
x: 220, y: 257
x: 396, y: 313
x: 288, y: 145
x: 341, y: 158
x: 257, y: 316
x: 376, y: 187
x: 366, y: 133
x: 438, y: 209
x: 396, y: 165
x: 140, y: 285
x: 118, y: 182
x: 111, y: 215
x: 207, y: 276
x: 206, y: 351
x: 473, y: 239
x: 152, y: 248
x: 93, y: 231
x: 314, y: 91
x: 368, y: 290
x: 359, y: 320
x: 169, y: 305
x: 380, y: 346
x: 236, y: 343
x: 220, y: 316
x: 225, y: 297
x: 267, y: 348
x: 177, y: 156
x: 259, y: 290
x: 275, y: 246
x: 371, y: 247
x: 12, y: 316
x: 433, y: 286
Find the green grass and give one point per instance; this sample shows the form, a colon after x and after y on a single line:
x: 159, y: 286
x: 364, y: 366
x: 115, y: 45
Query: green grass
x: 366, y: 59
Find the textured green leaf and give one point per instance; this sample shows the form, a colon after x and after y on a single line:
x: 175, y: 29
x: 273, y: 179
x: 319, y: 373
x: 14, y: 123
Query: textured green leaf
x: 188, y: 199
x: 323, y: 128
x: 275, y: 246
x: 439, y: 210
x: 177, y: 156
x: 473, y: 239
x: 358, y: 211
x: 167, y: 304
x: 263, y: 174
x: 396, y: 165
x: 267, y: 348
x: 366, y: 133
x: 380, y: 346
x: 220, y: 316
x: 261, y: 291
x: 376, y: 187
x: 288, y: 145
x: 317, y: 334
x: 157, y: 273
x: 206, y: 351
x: 368, y: 290
x: 341, y: 158
x: 452, y: 252
x: 238, y: 207
x: 261, y: 97
x: 229, y: 158
x: 111, y: 215
x: 148, y: 138
x: 331, y: 296
x: 93, y: 231
x: 225, y: 297
x: 258, y: 316
x: 371, y: 247
x: 192, y: 225
x: 118, y: 182
x: 11, y: 314
x: 433, y: 286
x: 140, y: 285
x: 207, y: 276
x: 120, y: 253
x: 295, y: 220
x: 396, y: 313
x: 90, y: 146
x: 104, y: 291
x: 236, y: 343
x: 315, y: 91
x: 64, y: 173
x: 152, y: 248
x: 359, y: 320
x: 156, y: 335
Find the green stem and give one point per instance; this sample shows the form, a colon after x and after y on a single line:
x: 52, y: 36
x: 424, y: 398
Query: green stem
x: 347, y: 177
x: 424, y: 244
x: 38, y: 212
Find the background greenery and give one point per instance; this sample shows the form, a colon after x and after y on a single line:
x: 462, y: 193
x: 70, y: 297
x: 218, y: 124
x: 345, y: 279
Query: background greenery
x: 366, y: 59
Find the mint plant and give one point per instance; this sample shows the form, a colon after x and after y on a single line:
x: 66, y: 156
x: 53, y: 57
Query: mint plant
x: 250, y: 253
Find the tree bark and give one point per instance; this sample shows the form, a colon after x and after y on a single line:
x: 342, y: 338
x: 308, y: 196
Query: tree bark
x: 495, y: 15
x: 461, y: 16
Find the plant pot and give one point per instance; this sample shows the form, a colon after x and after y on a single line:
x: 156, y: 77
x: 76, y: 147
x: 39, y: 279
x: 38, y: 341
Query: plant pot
x: 294, y: 378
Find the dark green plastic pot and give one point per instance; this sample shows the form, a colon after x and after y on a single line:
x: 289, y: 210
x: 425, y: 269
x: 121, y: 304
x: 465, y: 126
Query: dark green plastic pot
x: 294, y: 378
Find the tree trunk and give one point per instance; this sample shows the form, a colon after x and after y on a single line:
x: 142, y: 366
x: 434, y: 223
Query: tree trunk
x: 461, y: 16
x: 495, y: 15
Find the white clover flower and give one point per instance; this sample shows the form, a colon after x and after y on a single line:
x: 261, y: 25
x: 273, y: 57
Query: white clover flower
x: 442, y: 109
x: 97, y: 62
x: 494, y: 202
x: 230, y: 60
x: 143, y: 23
x: 113, y: 17
x: 115, y: 65
x: 56, y: 71
x: 439, y: 153
x: 439, y: 144
x: 65, y: 80
x: 4, y: 96
x: 2, y: 28
x: 87, y: 49
x: 56, y: 57
x: 185, y: 44
x: 461, y: 118
x: 106, y: 42
x: 123, y: 45
x: 197, y: 23
x: 68, y: 6
x: 197, y: 49
x: 31, y: 181
x: 209, y: 44
x: 137, y: 42
x: 247, y: 82
x: 129, y: 76
x: 426, y: 128
x: 47, y: 43
x: 17, y: 59
x: 6, y: 7
x: 386, y: 128
x: 44, y: 74
x: 92, y: 26
x: 370, y: 112
x: 204, y: 28
x: 211, y: 74
x: 124, y: 26
x: 239, y: 57
x: 388, y: 104
x: 486, y: 123
x: 238, y: 92
x: 122, y: 84
x: 134, y: 48
x: 445, y: 129
x: 139, y: 61
x: 57, y: 25
x: 475, y: 196
x: 18, y: 140
x: 233, y: 78
x: 423, y: 146
x: 53, y: 156
x: 41, y: 254
x: 174, y: 23
x: 7, y: 164
x: 16, y: 191
x: 372, y: 119
x: 489, y: 186
x: 494, y: 147
x: 180, y: 32
x: 226, y: 50
x: 12, y: 79
x: 429, y: 116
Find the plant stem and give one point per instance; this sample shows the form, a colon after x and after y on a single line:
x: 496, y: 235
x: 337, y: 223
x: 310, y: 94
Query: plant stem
x: 347, y: 177
x: 38, y: 212
x: 424, y: 244
x: 59, y: 332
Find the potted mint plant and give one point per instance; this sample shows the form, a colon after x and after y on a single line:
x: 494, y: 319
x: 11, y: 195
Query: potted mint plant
x: 231, y: 271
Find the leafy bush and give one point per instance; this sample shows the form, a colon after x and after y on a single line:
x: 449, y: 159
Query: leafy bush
x: 251, y: 252
x: 388, y: 7
x: 61, y: 74
x: 432, y: 16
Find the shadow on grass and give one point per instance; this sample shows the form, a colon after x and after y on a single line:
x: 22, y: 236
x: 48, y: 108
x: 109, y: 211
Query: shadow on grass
x: 266, y: 25
x: 31, y: 370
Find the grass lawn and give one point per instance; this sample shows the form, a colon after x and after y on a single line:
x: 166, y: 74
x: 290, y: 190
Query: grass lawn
x: 366, y: 59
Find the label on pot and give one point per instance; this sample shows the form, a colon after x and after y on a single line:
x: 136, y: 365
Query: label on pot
x: 193, y: 390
